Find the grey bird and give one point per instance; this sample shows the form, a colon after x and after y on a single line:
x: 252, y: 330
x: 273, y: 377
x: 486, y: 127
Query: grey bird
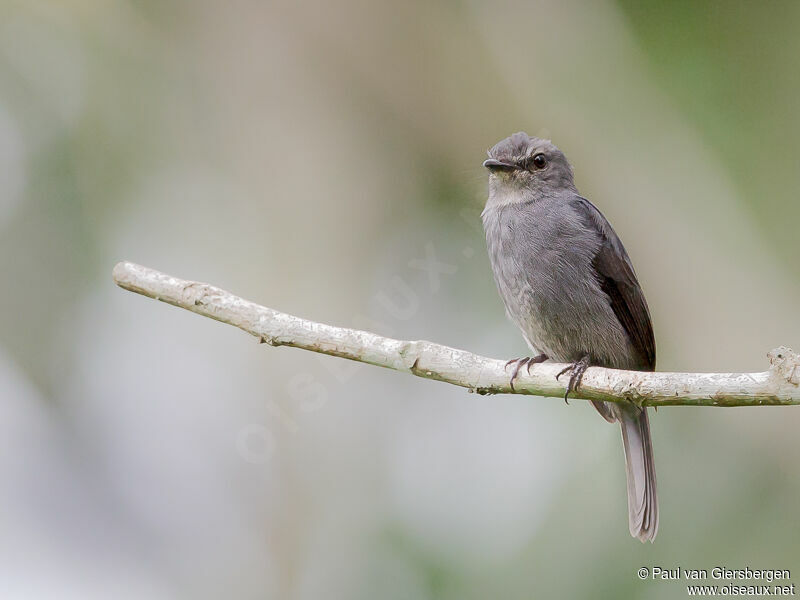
x: 568, y: 284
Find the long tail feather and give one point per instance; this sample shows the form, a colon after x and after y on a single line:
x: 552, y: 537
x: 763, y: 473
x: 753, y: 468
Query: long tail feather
x: 641, y: 473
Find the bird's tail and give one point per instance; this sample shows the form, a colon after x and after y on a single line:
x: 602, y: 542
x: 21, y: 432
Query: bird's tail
x: 641, y: 473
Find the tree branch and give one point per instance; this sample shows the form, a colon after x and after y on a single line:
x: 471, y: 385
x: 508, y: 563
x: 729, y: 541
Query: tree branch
x: 780, y: 385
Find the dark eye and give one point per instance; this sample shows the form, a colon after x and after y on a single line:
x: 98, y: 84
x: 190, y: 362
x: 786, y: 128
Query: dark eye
x: 539, y: 161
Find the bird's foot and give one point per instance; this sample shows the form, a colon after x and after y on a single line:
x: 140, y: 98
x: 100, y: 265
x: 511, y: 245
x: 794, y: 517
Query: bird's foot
x: 577, y: 369
x: 520, y: 362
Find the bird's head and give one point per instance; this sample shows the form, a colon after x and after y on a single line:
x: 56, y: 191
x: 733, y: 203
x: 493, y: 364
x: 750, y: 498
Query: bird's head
x: 521, y: 166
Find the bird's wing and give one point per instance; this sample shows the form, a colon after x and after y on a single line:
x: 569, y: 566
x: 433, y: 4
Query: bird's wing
x: 618, y: 280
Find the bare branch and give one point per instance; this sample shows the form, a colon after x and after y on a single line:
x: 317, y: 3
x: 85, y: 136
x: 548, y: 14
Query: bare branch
x: 780, y: 385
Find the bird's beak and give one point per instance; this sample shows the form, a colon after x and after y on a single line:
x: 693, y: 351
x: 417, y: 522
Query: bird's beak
x: 497, y: 165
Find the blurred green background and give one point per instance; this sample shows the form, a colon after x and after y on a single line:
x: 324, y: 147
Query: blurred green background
x: 305, y: 155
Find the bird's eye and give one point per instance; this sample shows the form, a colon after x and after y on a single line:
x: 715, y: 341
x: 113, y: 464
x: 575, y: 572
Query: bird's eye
x: 539, y: 161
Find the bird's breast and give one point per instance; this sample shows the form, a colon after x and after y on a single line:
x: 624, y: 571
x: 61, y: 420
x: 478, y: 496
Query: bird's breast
x: 541, y: 256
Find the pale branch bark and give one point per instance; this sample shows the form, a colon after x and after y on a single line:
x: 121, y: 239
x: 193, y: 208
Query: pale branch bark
x: 779, y: 385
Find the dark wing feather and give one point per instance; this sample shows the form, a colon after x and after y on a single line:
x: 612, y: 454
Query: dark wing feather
x: 618, y: 280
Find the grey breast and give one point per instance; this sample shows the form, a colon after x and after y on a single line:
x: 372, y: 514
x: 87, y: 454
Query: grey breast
x: 541, y: 253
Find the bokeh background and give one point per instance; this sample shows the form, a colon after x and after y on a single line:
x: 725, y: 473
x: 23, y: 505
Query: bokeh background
x: 308, y: 155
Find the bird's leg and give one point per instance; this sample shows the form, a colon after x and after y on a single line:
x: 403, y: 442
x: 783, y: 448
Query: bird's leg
x: 578, y: 368
x: 539, y: 358
x: 524, y: 361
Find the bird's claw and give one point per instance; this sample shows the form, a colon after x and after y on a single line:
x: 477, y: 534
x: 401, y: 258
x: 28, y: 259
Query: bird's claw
x: 577, y: 369
x: 520, y: 362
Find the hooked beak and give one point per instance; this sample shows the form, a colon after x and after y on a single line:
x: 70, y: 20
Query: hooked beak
x: 496, y: 165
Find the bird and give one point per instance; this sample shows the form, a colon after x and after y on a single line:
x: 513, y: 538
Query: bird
x: 567, y: 282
